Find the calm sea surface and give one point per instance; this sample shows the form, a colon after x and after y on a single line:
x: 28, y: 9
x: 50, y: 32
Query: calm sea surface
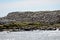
x: 30, y: 35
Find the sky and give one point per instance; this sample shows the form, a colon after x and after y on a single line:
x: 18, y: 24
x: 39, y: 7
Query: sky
x: 7, y: 6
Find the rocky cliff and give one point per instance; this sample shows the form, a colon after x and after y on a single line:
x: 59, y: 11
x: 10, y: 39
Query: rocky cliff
x: 39, y: 16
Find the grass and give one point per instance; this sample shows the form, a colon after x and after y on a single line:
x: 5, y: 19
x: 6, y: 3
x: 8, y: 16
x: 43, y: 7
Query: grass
x: 37, y: 25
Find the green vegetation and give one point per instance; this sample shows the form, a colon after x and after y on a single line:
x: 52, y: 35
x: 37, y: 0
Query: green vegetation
x: 29, y: 25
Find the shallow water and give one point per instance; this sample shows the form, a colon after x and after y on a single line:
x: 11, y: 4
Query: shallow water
x: 30, y: 35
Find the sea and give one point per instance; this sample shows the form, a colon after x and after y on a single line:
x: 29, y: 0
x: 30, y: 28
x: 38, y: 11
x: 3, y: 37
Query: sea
x: 31, y: 35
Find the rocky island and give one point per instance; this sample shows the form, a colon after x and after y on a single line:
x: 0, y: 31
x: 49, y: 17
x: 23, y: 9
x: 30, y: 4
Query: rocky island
x: 41, y: 20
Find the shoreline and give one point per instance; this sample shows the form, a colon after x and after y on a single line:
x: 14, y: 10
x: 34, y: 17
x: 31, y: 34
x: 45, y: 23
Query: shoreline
x: 28, y: 30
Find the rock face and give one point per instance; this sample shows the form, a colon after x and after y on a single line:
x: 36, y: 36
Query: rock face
x: 40, y: 16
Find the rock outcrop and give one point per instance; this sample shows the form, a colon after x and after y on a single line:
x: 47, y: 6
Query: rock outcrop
x: 42, y: 20
x: 40, y: 16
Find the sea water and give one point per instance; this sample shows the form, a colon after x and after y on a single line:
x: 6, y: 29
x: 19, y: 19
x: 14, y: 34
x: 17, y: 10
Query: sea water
x: 30, y: 35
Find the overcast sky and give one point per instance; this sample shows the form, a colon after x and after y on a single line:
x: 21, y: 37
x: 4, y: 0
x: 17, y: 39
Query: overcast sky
x: 7, y: 6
